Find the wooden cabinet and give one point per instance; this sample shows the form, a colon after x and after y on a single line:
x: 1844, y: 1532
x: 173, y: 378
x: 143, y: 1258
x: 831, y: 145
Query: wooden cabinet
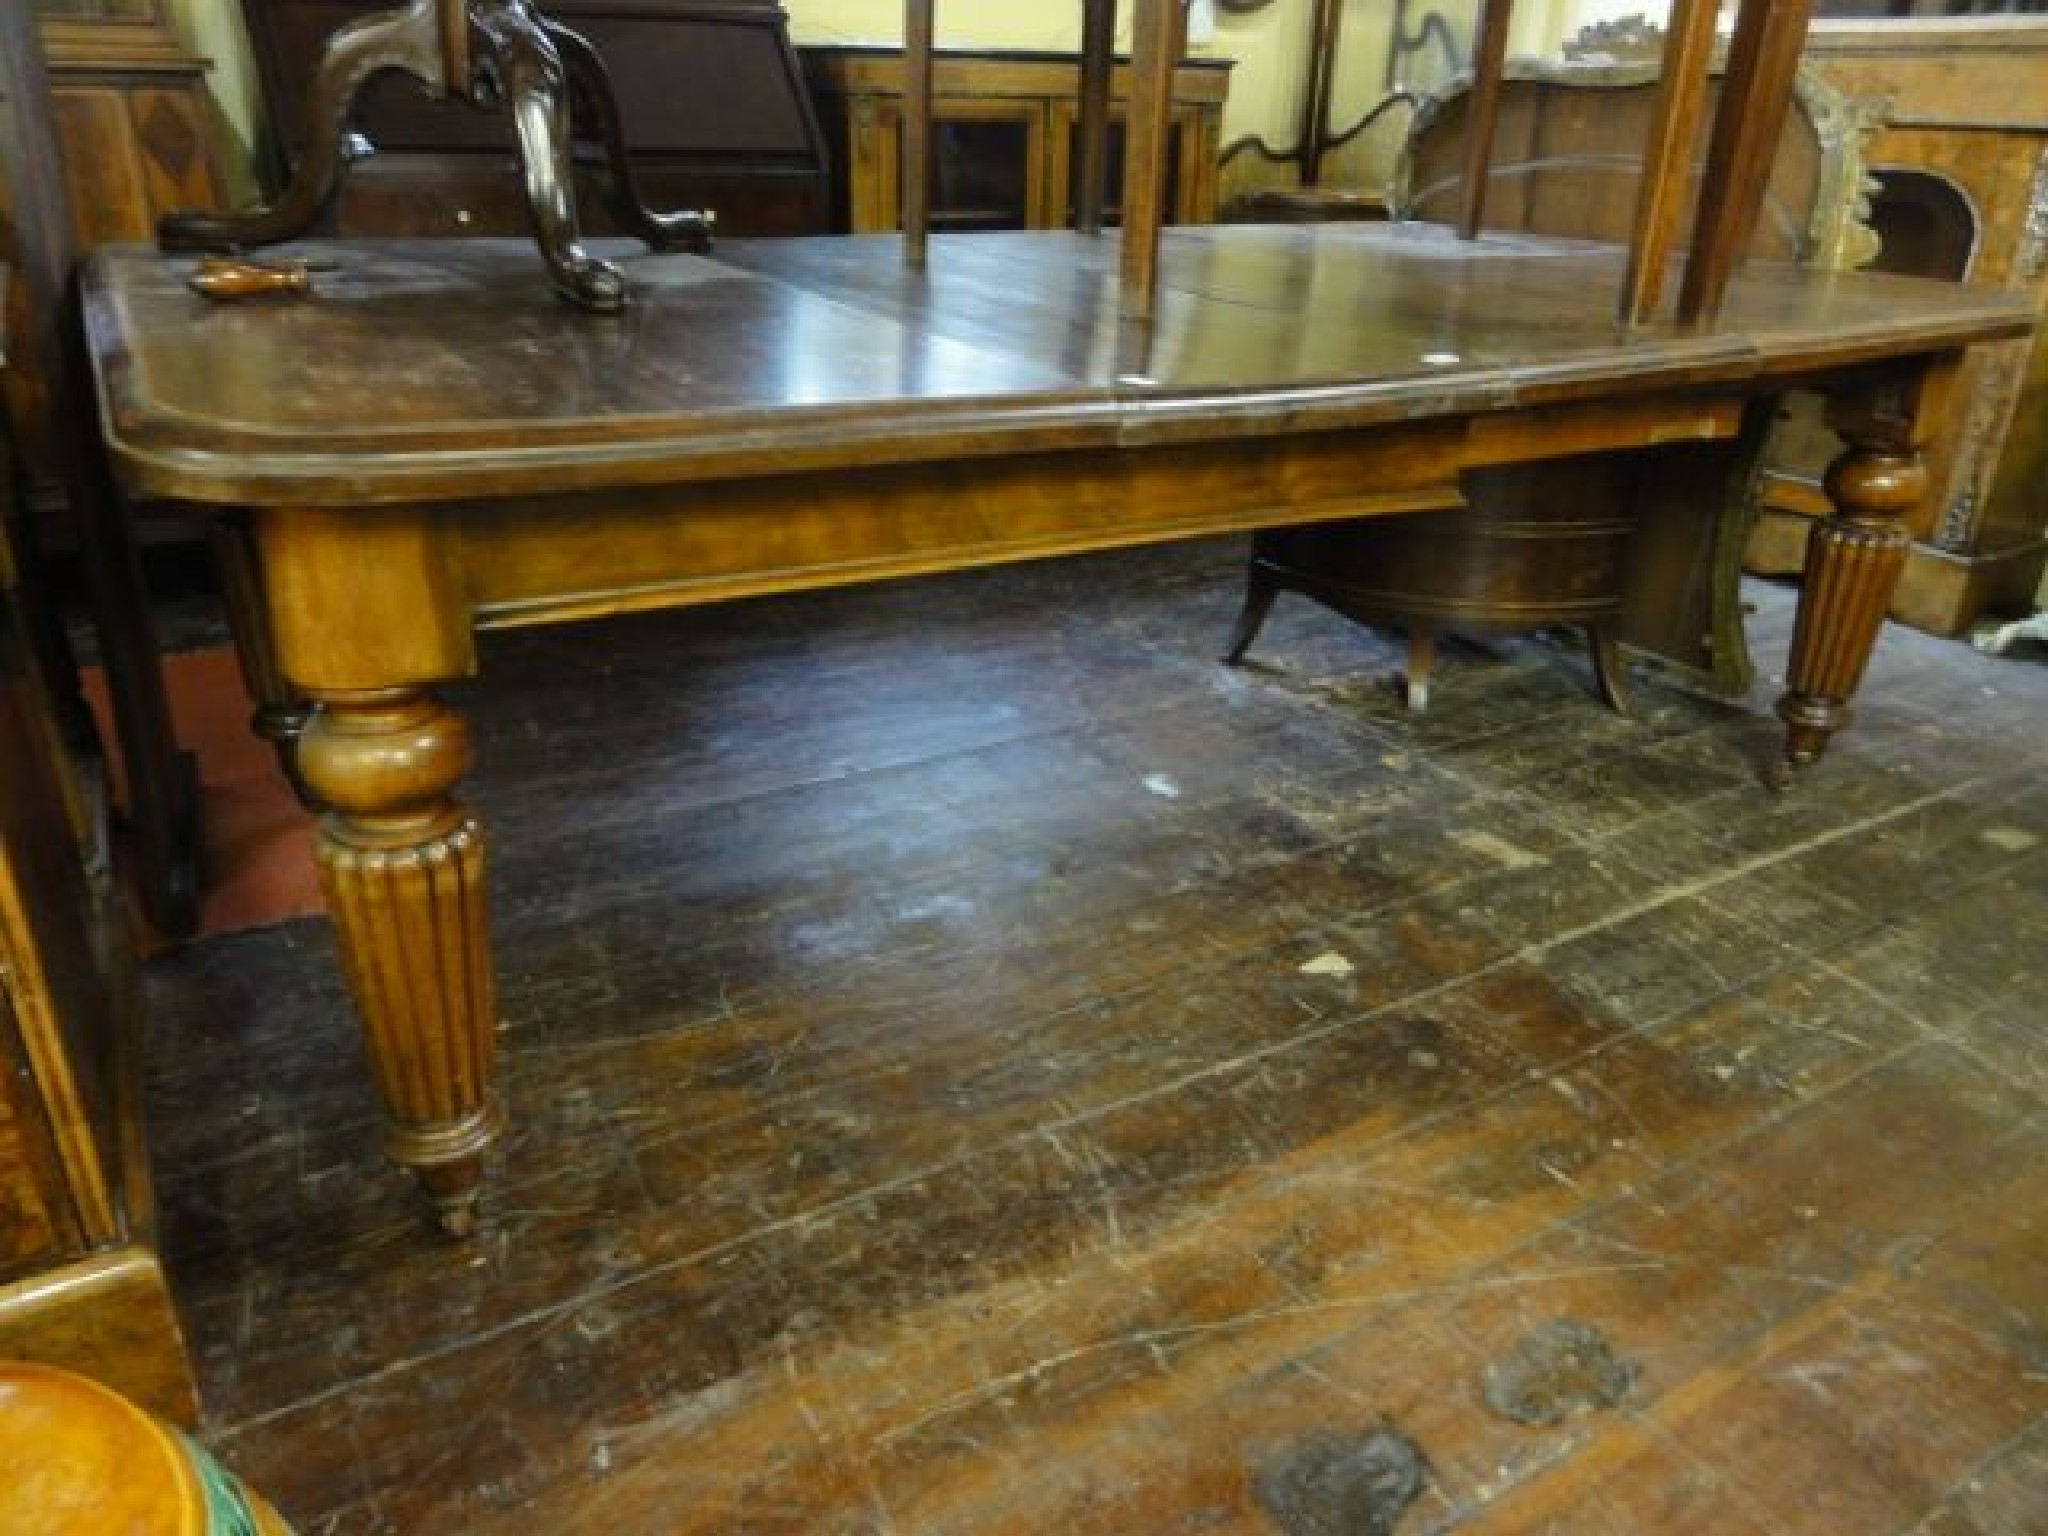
x: 1004, y: 125
x: 80, y: 1282
x: 52, y: 423
x: 709, y: 92
x: 1960, y: 153
x: 132, y: 115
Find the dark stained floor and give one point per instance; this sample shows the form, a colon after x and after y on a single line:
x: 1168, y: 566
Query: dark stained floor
x: 980, y: 1066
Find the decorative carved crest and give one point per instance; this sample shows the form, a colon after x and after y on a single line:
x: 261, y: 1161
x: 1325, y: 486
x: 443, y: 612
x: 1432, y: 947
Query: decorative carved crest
x: 1624, y: 40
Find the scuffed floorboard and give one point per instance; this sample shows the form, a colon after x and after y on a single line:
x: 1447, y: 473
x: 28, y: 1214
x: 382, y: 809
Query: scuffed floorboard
x: 979, y: 1066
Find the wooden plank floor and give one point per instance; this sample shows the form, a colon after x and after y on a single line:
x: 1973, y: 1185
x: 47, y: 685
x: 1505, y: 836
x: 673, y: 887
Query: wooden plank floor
x: 979, y: 1066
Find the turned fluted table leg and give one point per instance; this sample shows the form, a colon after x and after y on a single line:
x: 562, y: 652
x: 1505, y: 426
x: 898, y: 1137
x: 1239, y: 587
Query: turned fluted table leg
x: 402, y: 864
x: 1853, y: 563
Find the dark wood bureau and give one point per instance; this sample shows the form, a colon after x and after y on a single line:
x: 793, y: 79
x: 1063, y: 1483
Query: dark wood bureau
x: 713, y: 100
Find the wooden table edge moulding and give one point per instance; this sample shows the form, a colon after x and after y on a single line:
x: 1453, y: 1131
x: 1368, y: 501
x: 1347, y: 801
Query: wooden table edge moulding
x: 425, y: 445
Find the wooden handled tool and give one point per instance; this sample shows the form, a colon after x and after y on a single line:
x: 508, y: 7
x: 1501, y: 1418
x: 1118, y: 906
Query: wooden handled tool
x: 226, y: 277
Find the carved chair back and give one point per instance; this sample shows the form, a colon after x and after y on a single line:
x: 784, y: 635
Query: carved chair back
x: 1567, y: 159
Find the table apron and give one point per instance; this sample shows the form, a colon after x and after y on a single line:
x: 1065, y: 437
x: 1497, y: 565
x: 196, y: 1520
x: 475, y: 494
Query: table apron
x: 533, y: 560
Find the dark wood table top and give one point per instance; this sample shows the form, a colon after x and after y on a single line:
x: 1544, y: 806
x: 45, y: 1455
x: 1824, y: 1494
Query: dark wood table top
x: 427, y: 370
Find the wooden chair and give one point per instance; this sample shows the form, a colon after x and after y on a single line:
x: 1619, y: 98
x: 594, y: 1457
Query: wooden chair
x: 1098, y: 43
x: 1566, y: 158
x: 1159, y: 39
x: 1763, y: 59
x: 1559, y: 545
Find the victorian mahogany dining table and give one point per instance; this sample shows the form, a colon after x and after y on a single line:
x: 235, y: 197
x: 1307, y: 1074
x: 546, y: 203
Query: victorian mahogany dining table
x: 428, y: 444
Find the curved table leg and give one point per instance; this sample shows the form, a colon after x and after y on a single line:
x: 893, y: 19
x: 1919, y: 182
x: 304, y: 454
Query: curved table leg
x: 1610, y: 672
x: 1259, y: 591
x: 590, y: 85
x: 518, y: 64
x: 407, y: 40
x: 402, y: 864
x: 1853, y: 563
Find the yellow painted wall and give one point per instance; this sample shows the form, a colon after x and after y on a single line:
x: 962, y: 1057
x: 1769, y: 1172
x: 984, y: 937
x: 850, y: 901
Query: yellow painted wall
x: 1264, y: 94
x: 1269, y: 46
x: 960, y: 23
x: 213, y: 30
